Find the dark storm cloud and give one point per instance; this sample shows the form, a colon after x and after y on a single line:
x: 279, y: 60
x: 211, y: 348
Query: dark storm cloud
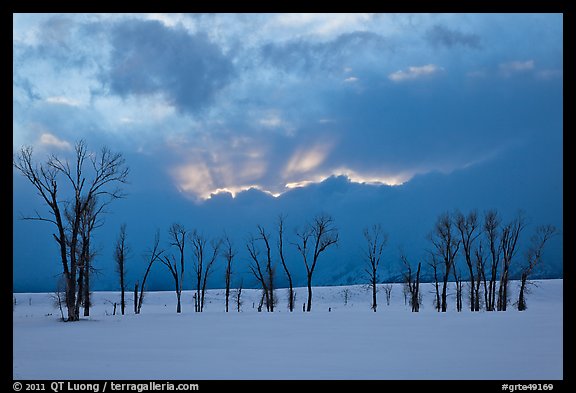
x: 149, y: 57
x: 439, y: 35
x: 305, y: 55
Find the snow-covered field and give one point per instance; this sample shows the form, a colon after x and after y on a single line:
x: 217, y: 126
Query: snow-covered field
x: 350, y: 342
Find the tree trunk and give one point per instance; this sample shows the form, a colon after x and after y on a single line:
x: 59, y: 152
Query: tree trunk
x: 227, y: 295
x: 309, y: 303
x: 445, y: 284
x: 80, y: 289
x: 521, y: 299
x: 472, y: 294
x: 122, y: 289
x: 374, y: 304
x: 136, y: 298
x: 291, y: 295
x: 87, y: 287
x: 71, y: 297
x: 178, y: 306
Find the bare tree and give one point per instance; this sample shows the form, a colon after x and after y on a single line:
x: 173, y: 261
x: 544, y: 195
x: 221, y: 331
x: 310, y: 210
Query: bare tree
x: 177, y: 235
x: 447, y: 245
x: 229, y: 254
x: 107, y: 170
x: 120, y: 253
x: 291, y: 294
x: 510, y: 235
x: 316, y: 237
x: 468, y: 227
x: 458, y: 283
x: 258, y: 270
x: 88, y: 222
x: 135, y: 297
x: 203, y: 264
x: 346, y: 295
x: 270, y: 269
x: 388, y: 292
x: 534, y: 257
x: 238, y: 296
x: 434, y: 265
x: 491, y: 229
x: 152, y: 256
x: 412, y: 283
x: 480, y: 260
x: 58, y: 297
x: 375, y: 241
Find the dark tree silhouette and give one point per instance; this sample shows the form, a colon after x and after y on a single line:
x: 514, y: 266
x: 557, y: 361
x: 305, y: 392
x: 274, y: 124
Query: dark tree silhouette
x: 120, y: 253
x: 229, y: 254
x: 238, y: 297
x: 510, y: 235
x: 469, y: 229
x: 388, y: 292
x: 291, y: 294
x: 491, y: 230
x: 88, y: 222
x: 135, y: 297
x: 458, y: 283
x: 90, y: 176
x: 259, y: 270
x: 480, y: 260
x: 204, y: 260
x: 375, y: 241
x: 177, y: 234
x: 412, y: 283
x: 434, y: 265
x: 446, y: 244
x: 533, y: 257
x: 316, y: 237
x: 152, y: 256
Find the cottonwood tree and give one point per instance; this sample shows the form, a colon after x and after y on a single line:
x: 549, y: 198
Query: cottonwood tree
x: 313, y: 240
x: 446, y: 244
x: 238, y: 297
x: 204, y: 259
x: 509, y: 238
x: 412, y: 283
x: 291, y: 294
x: 468, y: 228
x: 262, y: 270
x: 60, y: 184
x: 458, y: 283
x: 534, y: 257
x: 120, y: 253
x: 177, y: 235
x: 229, y: 254
x: 88, y: 222
x: 480, y: 260
x: 491, y: 230
x: 388, y: 292
x: 375, y: 241
x: 152, y: 256
x: 434, y: 266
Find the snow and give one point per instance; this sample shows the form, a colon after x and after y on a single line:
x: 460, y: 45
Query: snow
x: 350, y: 342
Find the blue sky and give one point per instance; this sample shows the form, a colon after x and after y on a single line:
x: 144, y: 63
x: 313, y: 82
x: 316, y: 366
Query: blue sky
x: 297, y: 113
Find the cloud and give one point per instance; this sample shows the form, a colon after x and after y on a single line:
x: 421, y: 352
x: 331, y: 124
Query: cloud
x: 513, y: 67
x: 549, y: 74
x: 351, y: 79
x: 439, y: 35
x: 149, y: 57
x: 304, y: 55
x: 305, y: 160
x: 415, y: 72
x: 60, y: 100
x: 47, y: 139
